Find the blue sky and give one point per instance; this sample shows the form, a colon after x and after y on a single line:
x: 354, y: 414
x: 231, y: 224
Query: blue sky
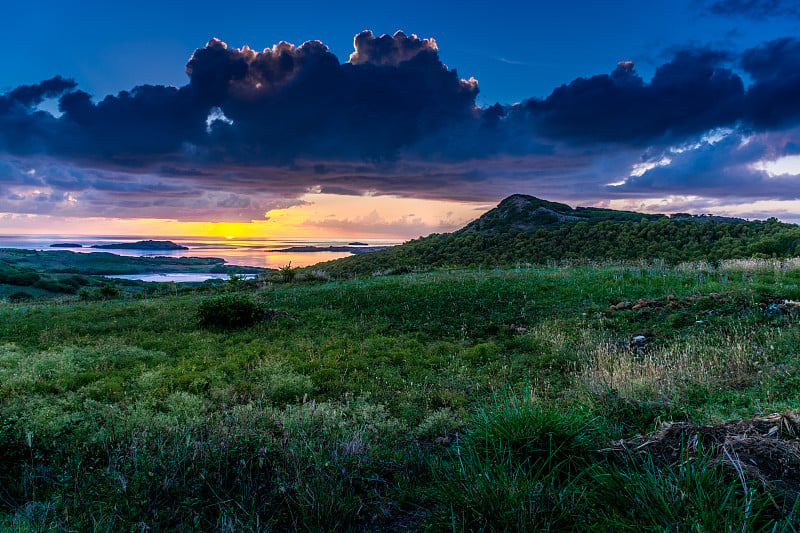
x: 658, y: 106
x: 516, y: 50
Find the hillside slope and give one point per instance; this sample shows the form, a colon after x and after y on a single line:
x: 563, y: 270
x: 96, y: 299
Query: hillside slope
x: 525, y: 229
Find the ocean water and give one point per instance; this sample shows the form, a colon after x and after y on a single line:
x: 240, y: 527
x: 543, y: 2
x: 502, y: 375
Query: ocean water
x: 177, y: 278
x: 242, y: 252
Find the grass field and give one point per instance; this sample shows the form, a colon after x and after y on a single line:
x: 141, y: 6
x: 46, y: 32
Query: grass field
x: 476, y: 400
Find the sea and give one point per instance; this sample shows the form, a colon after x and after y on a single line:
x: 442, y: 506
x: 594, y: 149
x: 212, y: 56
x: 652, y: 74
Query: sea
x: 263, y: 253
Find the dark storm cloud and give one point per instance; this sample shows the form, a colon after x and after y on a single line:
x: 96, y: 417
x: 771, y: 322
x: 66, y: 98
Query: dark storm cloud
x: 148, y: 120
x: 395, y: 120
x: 288, y: 102
x: 31, y: 95
x: 774, y: 98
x: 692, y: 93
x: 255, y: 107
x: 758, y: 9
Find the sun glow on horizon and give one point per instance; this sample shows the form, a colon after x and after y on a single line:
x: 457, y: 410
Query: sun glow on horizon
x: 316, y: 215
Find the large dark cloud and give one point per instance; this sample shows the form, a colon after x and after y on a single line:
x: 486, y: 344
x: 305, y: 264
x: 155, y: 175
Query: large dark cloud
x: 31, y: 95
x: 250, y: 129
x: 690, y: 94
x: 774, y: 99
x: 288, y: 101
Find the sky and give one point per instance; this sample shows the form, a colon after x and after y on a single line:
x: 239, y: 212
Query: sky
x: 390, y: 120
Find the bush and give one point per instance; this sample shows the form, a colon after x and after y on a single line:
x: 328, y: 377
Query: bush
x: 19, y: 296
x: 288, y: 272
x: 52, y: 285
x: 18, y: 277
x: 109, y: 291
x: 230, y: 311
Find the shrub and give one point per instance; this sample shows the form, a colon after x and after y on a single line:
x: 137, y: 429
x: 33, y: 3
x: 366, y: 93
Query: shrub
x: 288, y: 272
x: 54, y: 286
x: 109, y: 291
x: 19, y: 296
x: 17, y: 277
x: 230, y: 311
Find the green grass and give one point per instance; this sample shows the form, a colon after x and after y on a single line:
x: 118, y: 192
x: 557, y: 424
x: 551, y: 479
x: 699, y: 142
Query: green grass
x: 466, y: 400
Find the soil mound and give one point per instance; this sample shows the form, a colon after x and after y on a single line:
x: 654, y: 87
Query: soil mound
x: 765, y: 449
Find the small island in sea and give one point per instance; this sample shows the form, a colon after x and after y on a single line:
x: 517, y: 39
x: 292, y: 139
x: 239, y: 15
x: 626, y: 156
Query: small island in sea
x: 350, y: 248
x: 142, y: 245
x: 66, y: 245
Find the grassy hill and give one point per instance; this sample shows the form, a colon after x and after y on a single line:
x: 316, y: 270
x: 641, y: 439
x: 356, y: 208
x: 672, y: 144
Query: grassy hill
x: 501, y: 400
x: 527, y: 230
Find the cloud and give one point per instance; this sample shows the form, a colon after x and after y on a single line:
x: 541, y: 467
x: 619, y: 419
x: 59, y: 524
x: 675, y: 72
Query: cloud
x: 300, y: 101
x: 757, y: 9
x: 772, y: 101
x: 727, y: 167
x: 251, y: 129
x: 391, y: 51
x: 692, y: 93
x: 375, y: 224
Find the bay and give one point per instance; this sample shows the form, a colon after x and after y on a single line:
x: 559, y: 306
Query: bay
x: 263, y: 253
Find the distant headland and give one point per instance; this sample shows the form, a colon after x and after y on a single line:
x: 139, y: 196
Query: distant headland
x: 360, y: 249
x: 142, y: 245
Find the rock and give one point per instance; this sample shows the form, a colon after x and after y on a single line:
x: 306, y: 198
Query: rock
x: 639, y: 340
x: 773, y: 310
x: 672, y: 298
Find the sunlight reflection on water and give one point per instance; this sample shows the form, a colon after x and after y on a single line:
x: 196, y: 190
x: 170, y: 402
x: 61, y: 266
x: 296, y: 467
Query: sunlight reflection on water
x: 259, y: 253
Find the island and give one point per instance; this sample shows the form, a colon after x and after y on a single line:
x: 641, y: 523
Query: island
x: 340, y: 249
x: 66, y: 245
x: 142, y: 245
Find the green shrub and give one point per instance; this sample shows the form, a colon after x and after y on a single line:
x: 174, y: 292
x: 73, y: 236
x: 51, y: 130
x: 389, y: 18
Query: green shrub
x: 230, y: 311
x: 54, y: 286
x: 19, y: 296
x: 109, y: 291
x: 288, y: 272
x: 18, y: 277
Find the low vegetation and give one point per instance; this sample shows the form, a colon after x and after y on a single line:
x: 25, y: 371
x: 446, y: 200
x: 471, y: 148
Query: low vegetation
x: 500, y: 399
x: 524, y: 230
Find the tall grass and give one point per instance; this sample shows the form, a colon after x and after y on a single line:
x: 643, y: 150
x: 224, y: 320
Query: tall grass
x: 467, y: 400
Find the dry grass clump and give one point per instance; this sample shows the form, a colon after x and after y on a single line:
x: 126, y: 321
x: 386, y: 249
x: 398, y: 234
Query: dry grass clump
x: 662, y: 371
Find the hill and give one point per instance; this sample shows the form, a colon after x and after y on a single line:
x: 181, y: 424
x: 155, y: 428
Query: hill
x: 525, y: 213
x: 528, y: 230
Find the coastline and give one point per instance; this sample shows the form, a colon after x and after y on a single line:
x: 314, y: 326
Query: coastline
x: 260, y: 253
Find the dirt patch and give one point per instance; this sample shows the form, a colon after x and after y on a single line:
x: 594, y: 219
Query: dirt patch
x: 710, y: 304
x: 765, y: 449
